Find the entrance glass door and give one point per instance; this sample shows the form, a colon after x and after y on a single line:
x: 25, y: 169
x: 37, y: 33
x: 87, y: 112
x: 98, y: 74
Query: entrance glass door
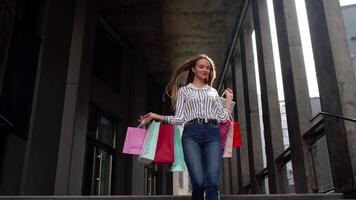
x: 98, y: 157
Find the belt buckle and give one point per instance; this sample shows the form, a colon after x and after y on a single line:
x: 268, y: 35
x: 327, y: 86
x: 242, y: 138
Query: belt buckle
x: 200, y: 120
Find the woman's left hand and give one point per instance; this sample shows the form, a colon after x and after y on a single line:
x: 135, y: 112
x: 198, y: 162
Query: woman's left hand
x: 228, y: 93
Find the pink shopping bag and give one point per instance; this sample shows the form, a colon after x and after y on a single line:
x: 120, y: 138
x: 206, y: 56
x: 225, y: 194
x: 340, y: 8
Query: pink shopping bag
x: 229, y: 143
x: 134, y: 140
x: 224, y: 130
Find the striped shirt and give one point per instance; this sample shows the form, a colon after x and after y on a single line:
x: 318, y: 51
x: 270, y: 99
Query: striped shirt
x: 198, y: 103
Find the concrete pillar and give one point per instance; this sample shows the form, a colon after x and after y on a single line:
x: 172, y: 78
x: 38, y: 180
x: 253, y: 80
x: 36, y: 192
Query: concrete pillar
x: 296, y: 93
x: 236, y: 162
x: 40, y: 163
x: 11, y: 146
x: 243, y: 173
x: 70, y: 164
x: 235, y: 171
x: 137, y: 107
x: 269, y: 95
x: 226, y: 179
x: 126, y: 175
x: 252, y: 109
x: 337, y: 88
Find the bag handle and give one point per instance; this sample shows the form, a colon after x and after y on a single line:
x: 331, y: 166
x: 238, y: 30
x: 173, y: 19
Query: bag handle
x: 230, y: 115
x: 143, y: 124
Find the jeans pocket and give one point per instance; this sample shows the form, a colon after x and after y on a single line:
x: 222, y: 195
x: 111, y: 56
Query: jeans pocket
x: 186, y: 129
x: 187, y: 126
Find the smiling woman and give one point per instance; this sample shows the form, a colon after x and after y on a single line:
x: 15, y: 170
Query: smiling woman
x: 198, y: 108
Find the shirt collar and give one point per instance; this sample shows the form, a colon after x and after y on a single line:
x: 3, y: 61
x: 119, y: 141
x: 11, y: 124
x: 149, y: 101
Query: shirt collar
x: 191, y: 85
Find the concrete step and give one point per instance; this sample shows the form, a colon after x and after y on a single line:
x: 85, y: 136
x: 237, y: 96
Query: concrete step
x: 163, y: 197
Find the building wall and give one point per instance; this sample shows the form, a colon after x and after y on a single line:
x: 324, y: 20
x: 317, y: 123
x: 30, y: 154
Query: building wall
x: 20, y: 36
x: 7, y: 16
x: 349, y: 14
x: 124, y: 96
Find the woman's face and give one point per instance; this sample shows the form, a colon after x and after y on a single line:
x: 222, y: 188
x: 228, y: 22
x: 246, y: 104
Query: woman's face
x: 202, y: 69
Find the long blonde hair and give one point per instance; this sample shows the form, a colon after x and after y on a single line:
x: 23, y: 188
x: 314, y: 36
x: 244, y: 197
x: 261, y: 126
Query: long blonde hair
x: 172, y: 87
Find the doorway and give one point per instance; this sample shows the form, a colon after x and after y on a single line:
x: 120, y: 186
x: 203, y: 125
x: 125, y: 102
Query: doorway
x: 100, y: 147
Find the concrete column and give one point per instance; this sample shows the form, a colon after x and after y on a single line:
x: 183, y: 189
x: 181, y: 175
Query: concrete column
x: 269, y: 95
x: 337, y: 87
x: 137, y: 107
x: 252, y: 109
x: 236, y: 162
x: 226, y: 179
x: 70, y: 164
x: 235, y: 172
x: 40, y: 163
x: 296, y: 92
x: 11, y: 146
x: 244, y: 175
x: 233, y: 163
x: 122, y: 106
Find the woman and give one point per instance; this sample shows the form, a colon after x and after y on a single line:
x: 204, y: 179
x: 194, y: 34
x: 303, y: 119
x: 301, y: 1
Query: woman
x: 197, y: 105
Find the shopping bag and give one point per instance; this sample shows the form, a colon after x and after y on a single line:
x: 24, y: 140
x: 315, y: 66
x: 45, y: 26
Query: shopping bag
x: 237, y: 135
x: 225, y: 126
x: 165, y: 145
x: 222, y: 101
x: 229, y: 142
x: 148, y: 151
x: 224, y: 130
x: 178, y: 164
x: 134, y: 139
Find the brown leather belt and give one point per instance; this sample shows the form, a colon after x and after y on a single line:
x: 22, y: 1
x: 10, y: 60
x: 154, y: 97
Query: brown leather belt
x: 204, y: 120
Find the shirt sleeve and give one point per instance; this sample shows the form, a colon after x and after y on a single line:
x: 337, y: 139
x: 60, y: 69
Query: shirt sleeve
x: 178, y: 117
x: 222, y: 112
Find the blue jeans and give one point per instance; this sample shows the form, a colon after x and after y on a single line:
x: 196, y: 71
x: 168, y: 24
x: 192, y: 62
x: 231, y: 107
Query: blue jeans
x: 203, y: 156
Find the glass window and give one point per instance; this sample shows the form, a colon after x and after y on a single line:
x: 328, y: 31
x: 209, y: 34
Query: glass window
x: 98, y: 156
x: 106, y: 131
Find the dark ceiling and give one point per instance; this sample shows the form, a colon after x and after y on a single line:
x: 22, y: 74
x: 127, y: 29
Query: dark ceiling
x: 169, y: 32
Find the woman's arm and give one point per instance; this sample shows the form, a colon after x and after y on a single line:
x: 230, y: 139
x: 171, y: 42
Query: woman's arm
x: 224, y: 111
x: 229, y: 96
x: 150, y: 116
x: 178, y: 118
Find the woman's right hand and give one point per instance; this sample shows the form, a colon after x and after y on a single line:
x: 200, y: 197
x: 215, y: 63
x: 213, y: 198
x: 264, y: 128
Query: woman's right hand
x: 229, y: 94
x: 146, y: 118
x: 150, y: 116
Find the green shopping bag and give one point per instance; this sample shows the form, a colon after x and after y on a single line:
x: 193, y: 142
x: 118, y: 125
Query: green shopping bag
x: 178, y: 164
x: 148, y: 150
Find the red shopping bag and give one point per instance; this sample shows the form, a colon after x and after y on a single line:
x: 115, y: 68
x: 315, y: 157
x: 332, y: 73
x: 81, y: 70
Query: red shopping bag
x: 237, y: 135
x: 165, y: 145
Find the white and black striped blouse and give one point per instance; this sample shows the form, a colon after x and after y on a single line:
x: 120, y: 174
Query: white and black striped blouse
x: 198, y: 103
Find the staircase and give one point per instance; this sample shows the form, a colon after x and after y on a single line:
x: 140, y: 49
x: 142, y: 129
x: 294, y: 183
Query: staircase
x: 162, y: 197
